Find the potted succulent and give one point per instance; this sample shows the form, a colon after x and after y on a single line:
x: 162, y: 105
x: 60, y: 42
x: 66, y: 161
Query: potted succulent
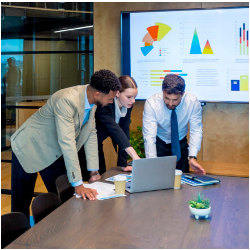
x: 200, y: 207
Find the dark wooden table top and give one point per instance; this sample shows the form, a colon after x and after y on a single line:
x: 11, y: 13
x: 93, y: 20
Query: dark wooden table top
x: 158, y: 219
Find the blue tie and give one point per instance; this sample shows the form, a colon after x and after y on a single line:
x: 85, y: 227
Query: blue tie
x: 175, y: 143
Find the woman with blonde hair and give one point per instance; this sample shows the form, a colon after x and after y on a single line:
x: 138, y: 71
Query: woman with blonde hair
x: 114, y: 120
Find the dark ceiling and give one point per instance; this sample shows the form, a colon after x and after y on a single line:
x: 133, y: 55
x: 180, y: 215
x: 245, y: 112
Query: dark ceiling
x: 27, y: 22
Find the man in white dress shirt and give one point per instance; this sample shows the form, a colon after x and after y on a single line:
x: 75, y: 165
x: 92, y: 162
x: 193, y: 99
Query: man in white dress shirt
x: 157, y: 124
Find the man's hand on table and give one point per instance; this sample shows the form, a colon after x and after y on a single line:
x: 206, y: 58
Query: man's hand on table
x: 86, y: 193
x: 198, y: 169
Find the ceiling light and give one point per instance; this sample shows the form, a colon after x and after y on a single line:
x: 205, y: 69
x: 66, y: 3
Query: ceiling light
x: 78, y: 28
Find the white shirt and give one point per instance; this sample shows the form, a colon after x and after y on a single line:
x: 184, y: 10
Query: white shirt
x: 119, y: 112
x: 157, y: 122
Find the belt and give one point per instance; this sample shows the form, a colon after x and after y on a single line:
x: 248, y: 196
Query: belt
x: 158, y: 139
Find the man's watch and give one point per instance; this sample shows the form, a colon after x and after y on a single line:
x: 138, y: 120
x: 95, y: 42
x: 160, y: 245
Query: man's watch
x: 190, y: 157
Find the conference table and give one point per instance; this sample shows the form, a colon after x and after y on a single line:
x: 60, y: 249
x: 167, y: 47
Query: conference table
x: 156, y: 219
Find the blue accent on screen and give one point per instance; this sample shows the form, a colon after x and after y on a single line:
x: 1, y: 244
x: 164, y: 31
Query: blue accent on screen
x: 235, y: 85
x: 145, y: 50
x: 125, y: 43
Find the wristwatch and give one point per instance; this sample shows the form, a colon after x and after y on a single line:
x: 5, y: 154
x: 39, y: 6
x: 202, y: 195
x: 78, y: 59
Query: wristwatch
x: 190, y: 157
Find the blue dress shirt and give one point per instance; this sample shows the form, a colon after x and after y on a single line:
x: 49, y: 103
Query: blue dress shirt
x: 87, y: 108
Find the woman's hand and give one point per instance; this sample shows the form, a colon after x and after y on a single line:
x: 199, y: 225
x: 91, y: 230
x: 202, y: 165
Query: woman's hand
x: 127, y: 169
x: 94, y: 176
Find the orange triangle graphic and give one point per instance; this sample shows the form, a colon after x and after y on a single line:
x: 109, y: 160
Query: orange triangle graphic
x: 207, y: 49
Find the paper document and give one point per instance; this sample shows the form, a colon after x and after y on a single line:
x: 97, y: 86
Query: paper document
x: 105, y: 190
x: 128, y: 176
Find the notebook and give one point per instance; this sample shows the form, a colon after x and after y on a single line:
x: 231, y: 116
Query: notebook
x: 199, y: 180
x: 150, y: 174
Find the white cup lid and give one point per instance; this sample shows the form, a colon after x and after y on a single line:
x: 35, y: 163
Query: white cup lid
x: 178, y: 172
x: 120, y: 178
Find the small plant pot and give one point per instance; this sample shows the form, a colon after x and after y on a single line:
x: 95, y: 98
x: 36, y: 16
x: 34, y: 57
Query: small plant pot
x: 200, y: 212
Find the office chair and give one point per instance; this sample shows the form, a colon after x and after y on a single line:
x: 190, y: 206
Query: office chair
x: 64, y: 188
x: 12, y: 226
x: 43, y: 205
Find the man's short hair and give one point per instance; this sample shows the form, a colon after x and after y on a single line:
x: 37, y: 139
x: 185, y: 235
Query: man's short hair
x: 104, y: 81
x: 173, y: 84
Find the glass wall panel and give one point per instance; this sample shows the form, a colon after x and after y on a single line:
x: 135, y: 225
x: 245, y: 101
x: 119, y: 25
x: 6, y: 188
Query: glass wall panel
x: 44, y: 47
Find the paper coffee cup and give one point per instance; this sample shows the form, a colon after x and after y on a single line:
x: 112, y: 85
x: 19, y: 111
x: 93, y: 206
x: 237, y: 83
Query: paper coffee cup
x: 177, y: 179
x: 120, y: 184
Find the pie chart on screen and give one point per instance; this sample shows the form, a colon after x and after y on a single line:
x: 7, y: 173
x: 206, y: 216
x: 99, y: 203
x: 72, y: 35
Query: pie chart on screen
x: 155, y: 33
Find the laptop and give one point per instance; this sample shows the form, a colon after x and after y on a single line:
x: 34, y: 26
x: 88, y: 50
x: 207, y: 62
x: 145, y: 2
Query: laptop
x: 152, y: 174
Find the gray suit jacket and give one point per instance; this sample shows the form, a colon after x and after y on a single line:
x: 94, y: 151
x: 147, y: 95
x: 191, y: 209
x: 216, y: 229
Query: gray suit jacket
x: 55, y: 130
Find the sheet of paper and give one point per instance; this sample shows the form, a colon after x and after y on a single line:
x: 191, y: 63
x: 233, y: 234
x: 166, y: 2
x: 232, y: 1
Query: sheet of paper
x: 128, y: 176
x: 105, y: 190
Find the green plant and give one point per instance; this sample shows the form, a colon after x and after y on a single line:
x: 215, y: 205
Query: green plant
x: 200, y: 202
x: 136, y: 141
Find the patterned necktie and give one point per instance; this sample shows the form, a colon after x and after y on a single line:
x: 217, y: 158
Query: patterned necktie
x: 175, y: 143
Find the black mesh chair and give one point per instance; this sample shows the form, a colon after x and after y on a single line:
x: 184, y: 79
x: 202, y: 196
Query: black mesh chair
x: 43, y: 205
x: 12, y: 226
x: 64, y: 188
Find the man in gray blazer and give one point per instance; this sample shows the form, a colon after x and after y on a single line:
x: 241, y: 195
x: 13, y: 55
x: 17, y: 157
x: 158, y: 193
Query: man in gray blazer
x: 49, y: 142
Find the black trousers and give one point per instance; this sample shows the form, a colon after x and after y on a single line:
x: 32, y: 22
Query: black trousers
x: 22, y: 183
x: 121, y: 161
x: 102, y: 164
x: 164, y: 149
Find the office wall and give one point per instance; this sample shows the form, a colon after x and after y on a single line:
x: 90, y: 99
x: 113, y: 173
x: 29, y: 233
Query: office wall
x: 225, y: 145
x: 43, y: 74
